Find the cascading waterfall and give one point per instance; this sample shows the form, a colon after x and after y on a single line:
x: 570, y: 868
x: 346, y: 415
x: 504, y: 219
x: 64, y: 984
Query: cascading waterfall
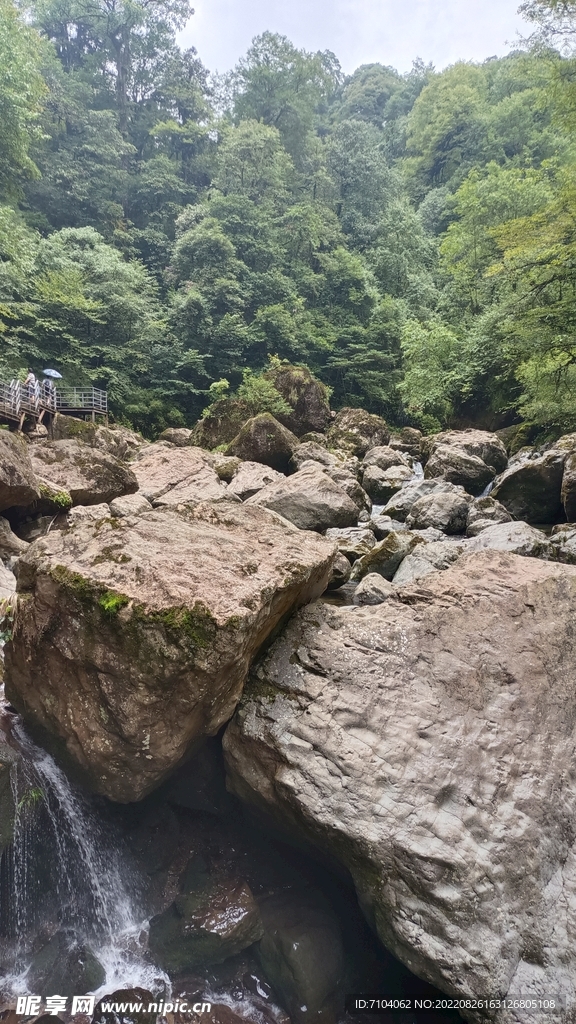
x: 66, y: 871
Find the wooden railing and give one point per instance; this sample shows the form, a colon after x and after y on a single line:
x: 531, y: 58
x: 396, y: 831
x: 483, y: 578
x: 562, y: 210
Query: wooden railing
x: 17, y: 399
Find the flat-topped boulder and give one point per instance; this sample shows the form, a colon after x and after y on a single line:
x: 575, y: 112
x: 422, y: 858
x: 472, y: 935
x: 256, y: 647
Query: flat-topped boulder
x: 171, y: 476
x: 134, y: 635
x: 88, y: 475
x: 427, y: 743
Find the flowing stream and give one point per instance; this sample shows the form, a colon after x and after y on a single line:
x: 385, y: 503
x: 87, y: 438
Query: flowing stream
x: 67, y: 872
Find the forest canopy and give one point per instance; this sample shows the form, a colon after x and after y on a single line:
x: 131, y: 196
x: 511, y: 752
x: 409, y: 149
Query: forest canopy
x: 410, y: 238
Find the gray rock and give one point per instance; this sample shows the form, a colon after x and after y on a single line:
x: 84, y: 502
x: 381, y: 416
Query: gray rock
x: 481, y: 444
x: 7, y: 582
x: 373, y: 589
x: 519, y: 538
x: 384, y: 457
x: 356, y: 431
x: 568, y: 490
x: 485, y: 512
x: 341, y: 571
x: 302, y: 954
x: 353, y: 542
x: 130, y: 505
x: 401, y: 503
x: 169, y: 476
x: 428, y: 744
x: 382, y: 484
x: 87, y: 514
x: 206, y: 925
x: 10, y: 544
x: 531, y: 488
x: 425, y: 559
x: 250, y: 478
x: 263, y: 439
x: 179, y: 436
x: 385, y: 557
x: 446, y: 512
x: 349, y: 483
x: 312, y: 451
x: 310, y: 499
x: 18, y: 483
x: 459, y: 467
x: 383, y: 525
x: 408, y: 441
x: 431, y: 535
x: 66, y: 966
x: 89, y: 476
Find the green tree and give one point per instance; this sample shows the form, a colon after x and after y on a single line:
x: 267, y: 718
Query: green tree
x: 22, y: 91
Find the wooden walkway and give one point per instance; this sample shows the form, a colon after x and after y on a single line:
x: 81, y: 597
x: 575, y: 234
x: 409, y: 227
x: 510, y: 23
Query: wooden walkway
x: 40, y: 402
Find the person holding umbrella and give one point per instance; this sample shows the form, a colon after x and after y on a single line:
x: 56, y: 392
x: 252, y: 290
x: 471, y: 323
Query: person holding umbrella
x: 48, y: 389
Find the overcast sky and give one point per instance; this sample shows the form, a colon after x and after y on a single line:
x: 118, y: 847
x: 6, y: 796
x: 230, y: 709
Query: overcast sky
x: 358, y: 31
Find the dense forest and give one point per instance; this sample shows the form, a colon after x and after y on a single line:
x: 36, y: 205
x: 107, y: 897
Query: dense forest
x: 164, y: 233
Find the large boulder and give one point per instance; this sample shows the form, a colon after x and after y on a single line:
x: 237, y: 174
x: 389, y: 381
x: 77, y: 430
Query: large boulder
x: 382, y: 484
x: 65, y: 965
x: 119, y: 441
x: 10, y: 544
x: 18, y: 483
x: 568, y: 490
x: 408, y: 440
x: 426, y: 558
x: 312, y: 451
x: 518, y: 538
x: 181, y: 437
x: 356, y: 431
x: 373, y: 589
x: 384, y: 457
x: 349, y: 483
x: 354, y: 541
x: 250, y: 478
x: 485, y: 512
x: 172, y: 476
x: 385, y: 557
x: 133, y: 636
x: 443, y: 511
x: 307, y: 396
x: 428, y: 744
x: 221, y: 423
x: 400, y: 504
x: 531, y: 488
x: 310, y: 499
x: 459, y: 467
x: 480, y: 444
x: 89, y: 476
x: 263, y: 439
x: 302, y: 954
x: 205, y: 925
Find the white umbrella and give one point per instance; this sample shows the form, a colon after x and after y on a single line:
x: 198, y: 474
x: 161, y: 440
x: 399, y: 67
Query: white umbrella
x: 52, y: 373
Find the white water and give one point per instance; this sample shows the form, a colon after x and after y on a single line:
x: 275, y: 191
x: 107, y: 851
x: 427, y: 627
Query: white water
x: 98, y: 892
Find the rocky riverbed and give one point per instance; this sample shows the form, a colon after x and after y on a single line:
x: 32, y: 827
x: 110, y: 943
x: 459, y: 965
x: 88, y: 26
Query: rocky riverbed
x: 375, y: 627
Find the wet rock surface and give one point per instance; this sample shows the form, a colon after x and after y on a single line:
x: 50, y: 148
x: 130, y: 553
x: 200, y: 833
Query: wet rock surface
x: 133, y: 636
x: 424, y: 743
